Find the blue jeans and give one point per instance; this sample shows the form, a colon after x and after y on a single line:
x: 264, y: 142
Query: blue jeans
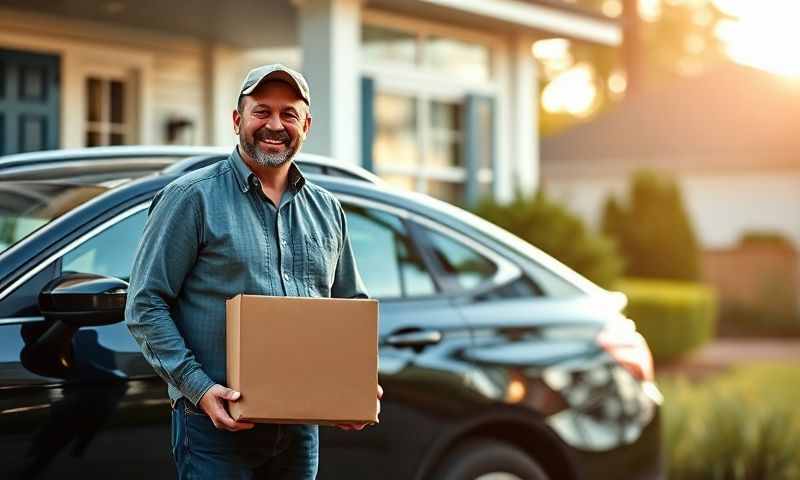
x: 267, y: 451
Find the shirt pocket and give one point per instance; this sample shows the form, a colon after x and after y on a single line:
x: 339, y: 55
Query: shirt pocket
x: 320, y: 265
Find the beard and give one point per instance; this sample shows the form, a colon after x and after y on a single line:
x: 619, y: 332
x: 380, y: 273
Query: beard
x: 269, y: 159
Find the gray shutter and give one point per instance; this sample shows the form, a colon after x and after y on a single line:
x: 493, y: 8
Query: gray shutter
x: 479, y: 143
x: 367, y: 122
x: 29, y: 102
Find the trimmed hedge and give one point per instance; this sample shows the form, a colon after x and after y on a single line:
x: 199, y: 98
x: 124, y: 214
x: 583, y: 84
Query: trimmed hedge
x: 674, y: 317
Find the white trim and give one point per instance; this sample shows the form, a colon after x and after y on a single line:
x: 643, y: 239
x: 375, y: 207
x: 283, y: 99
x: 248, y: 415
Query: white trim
x: 225, y: 66
x: 539, y: 17
x: 329, y: 37
x: 403, y: 75
x: 524, y: 128
x: 404, y: 80
x: 88, y: 32
x: 446, y: 174
x: 504, y: 137
x: 415, y: 25
x: 72, y: 246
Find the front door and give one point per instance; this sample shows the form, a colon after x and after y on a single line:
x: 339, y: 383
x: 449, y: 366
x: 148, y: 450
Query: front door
x: 29, y: 102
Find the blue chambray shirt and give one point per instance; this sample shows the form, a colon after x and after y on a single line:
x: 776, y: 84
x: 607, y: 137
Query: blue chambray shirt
x: 213, y: 234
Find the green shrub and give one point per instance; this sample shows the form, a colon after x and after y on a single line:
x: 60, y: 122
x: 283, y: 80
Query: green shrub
x: 743, y: 425
x: 550, y: 227
x: 653, y: 229
x: 674, y: 317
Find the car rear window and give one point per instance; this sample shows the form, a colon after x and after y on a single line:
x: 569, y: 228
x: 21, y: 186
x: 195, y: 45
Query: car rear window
x: 27, y: 206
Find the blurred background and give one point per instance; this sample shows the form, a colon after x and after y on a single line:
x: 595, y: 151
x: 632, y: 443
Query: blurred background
x: 648, y: 144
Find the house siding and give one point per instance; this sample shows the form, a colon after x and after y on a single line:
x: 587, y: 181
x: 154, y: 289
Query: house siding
x: 721, y: 206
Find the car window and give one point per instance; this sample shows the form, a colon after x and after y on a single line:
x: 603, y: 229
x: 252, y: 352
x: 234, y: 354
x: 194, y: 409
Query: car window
x: 385, y: 257
x: 310, y: 168
x: 552, y: 285
x: 110, y: 252
x: 460, y: 263
x: 27, y: 206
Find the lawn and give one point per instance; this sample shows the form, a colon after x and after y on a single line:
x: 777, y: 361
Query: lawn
x: 743, y: 424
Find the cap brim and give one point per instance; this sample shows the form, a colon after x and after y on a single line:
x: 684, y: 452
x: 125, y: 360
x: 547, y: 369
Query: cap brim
x: 279, y: 75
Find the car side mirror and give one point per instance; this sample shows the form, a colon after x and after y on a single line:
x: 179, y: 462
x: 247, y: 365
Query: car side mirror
x: 84, y: 300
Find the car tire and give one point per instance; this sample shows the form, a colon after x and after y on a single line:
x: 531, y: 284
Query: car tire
x: 488, y: 460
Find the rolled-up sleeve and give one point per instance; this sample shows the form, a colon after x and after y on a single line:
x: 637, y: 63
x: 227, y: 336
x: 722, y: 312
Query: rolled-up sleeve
x: 347, y: 282
x: 166, y: 255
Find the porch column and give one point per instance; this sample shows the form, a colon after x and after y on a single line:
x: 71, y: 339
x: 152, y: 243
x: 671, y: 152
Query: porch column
x: 330, y: 41
x: 524, y: 116
x: 222, y: 82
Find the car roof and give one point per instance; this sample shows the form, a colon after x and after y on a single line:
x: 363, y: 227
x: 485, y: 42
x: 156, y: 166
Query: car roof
x: 99, y: 164
x: 177, y: 160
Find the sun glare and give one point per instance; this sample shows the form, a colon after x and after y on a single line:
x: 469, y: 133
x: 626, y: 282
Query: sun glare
x: 763, y: 34
x: 572, y: 91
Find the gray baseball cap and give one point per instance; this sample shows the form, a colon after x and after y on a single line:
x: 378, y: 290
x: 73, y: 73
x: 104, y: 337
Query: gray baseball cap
x: 276, y: 71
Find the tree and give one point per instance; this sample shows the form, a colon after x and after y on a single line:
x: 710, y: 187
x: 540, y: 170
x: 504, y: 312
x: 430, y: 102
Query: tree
x: 552, y: 228
x: 654, y: 231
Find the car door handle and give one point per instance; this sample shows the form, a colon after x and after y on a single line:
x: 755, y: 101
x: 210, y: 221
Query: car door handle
x: 419, y: 338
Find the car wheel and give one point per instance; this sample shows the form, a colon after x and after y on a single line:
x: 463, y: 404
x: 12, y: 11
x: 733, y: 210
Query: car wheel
x: 488, y: 460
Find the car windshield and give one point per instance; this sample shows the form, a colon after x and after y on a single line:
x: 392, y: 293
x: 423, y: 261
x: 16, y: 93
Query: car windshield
x: 27, y: 206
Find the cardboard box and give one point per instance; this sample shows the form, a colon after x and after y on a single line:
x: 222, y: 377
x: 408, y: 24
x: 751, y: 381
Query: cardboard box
x: 303, y: 360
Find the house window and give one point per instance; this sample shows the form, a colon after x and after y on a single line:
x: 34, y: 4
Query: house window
x: 419, y: 145
x: 426, y: 51
x: 425, y: 75
x: 380, y: 44
x: 107, y: 111
x: 467, y: 60
x: 396, y: 136
x: 446, y: 134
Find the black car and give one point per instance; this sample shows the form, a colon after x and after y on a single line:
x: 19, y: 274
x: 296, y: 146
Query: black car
x: 498, y: 362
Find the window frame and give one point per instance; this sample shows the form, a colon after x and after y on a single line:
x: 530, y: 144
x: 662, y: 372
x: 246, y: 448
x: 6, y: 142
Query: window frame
x: 104, y: 127
x: 507, y: 271
x: 425, y: 87
x: 58, y: 255
x: 403, y: 216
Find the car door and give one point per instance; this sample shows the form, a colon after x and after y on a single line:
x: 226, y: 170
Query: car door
x: 106, y: 407
x: 421, y: 336
x: 539, y: 332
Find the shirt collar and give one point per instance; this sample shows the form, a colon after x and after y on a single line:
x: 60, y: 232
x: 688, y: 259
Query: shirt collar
x: 244, y: 176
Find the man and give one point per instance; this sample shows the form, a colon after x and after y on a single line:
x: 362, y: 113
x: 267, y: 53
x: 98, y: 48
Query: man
x: 248, y: 224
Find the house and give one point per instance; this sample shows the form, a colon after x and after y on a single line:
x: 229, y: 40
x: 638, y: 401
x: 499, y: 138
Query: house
x: 434, y: 95
x: 729, y: 137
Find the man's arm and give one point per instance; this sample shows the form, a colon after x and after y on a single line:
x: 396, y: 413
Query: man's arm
x: 166, y: 254
x: 347, y: 282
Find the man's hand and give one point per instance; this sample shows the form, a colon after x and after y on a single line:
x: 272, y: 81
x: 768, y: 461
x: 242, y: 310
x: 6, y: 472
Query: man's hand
x: 360, y: 426
x: 213, y: 403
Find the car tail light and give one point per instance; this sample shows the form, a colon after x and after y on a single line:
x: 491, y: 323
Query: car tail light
x: 628, y: 347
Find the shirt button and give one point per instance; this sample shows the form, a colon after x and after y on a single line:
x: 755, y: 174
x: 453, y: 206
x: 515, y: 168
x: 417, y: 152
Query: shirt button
x: 283, y: 242
x: 286, y: 276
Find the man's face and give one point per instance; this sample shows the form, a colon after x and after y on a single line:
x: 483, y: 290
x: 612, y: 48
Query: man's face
x: 272, y: 124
